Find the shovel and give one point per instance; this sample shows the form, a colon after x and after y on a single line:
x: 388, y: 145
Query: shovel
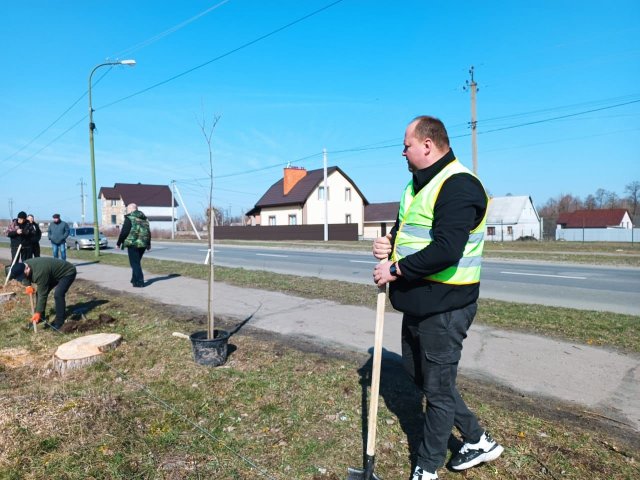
x: 33, y: 309
x: 369, y: 460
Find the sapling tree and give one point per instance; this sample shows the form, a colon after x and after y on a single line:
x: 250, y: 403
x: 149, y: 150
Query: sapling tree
x: 207, y: 132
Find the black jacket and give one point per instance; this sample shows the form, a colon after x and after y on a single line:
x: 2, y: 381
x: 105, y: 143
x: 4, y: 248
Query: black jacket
x: 459, y: 208
x: 25, y: 238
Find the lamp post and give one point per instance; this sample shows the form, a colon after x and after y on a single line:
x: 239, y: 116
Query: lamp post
x: 92, y: 126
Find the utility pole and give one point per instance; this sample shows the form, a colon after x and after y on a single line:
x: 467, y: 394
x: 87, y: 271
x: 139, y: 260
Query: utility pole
x: 473, y: 87
x: 326, y: 196
x: 82, y: 184
x: 173, y: 211
x: 11, y: 209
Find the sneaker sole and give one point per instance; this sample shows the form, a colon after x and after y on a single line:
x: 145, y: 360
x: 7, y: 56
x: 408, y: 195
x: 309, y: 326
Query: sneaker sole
x: 491, y: 455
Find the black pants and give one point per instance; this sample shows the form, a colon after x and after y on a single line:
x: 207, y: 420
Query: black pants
x: 59, y: 296
x: 431, y: 350
x: 135, y: 259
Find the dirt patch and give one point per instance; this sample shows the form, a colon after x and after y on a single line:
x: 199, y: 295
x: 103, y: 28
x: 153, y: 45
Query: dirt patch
x: 15, y: 357
x: 87, y: 324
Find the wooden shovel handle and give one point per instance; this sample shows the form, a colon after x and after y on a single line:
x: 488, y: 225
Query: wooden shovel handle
x: 375, y: 370
x: 33, y: 310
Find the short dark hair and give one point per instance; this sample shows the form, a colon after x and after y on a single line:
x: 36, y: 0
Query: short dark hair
x: 22, y: 215
x: 433, y: 128
x: 56, y: 215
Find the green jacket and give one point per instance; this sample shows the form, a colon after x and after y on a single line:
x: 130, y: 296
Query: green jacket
x: 46, y: 272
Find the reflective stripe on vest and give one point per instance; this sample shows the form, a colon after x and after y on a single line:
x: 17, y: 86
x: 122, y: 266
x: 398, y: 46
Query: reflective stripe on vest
x: 415, y: 231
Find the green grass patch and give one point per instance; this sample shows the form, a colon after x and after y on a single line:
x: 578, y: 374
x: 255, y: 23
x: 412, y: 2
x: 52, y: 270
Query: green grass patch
x: 272, y: 411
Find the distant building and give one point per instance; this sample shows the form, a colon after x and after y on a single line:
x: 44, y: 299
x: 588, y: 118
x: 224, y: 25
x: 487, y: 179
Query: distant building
x: 609, y: 218
x: 379, y: 219
x: 153, y: 200
x: 512, y: 217
x: 298, y: 199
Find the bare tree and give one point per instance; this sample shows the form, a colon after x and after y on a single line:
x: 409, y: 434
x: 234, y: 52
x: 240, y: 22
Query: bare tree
x: 590, y: 202
x: 207, y: 132
x: 601, y: 196
x: 633, y: 191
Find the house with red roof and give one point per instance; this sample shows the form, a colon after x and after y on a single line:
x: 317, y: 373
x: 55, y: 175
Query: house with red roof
x: 609, y: 218
x: 298, y: 198
x: 155, y: 201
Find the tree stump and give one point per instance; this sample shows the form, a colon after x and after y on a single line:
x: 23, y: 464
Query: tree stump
x: 83, y: 351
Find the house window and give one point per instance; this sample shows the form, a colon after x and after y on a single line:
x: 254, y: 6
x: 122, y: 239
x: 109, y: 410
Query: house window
x: 113, y: 219
x: 491, y: 231
x: 509, y: 230
x: 114, y: 203
x: 321, y: 193
x: 272, y: 220
x: 293, y: 219
x: 347, y: 218
x: 347, y: 194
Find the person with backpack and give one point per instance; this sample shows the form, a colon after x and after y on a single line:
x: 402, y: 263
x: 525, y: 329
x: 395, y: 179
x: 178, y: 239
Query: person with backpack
x: 136, y: 237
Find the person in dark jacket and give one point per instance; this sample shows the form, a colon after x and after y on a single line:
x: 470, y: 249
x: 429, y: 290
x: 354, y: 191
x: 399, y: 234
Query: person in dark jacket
x: 35, y: 241
x: 48, y: 274
x: 136, y: 237
x: 20, y: 232
x: 431, y: 261
x: 58, y: 233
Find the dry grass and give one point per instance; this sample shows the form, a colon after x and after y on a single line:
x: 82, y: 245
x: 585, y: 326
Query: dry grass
x: 279, y: 409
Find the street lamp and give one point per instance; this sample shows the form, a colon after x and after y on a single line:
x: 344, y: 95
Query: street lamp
x: 92, y: 126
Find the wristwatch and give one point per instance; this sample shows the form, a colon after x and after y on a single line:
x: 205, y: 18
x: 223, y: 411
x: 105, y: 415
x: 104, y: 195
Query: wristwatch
x: 393, y: 270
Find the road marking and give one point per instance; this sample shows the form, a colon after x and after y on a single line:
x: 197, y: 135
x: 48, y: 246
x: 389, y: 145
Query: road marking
x: 543, y: 275
x: 364, y: 261
x: 270, y: 255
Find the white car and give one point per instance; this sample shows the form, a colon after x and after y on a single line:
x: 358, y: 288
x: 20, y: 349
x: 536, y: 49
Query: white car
x: 81, y: 238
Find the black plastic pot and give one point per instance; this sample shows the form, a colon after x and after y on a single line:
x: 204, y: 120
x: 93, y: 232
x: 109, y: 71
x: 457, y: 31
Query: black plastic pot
x: 212, y: 352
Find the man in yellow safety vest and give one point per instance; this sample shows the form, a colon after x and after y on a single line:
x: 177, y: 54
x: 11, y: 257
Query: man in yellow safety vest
x: 433, y: 259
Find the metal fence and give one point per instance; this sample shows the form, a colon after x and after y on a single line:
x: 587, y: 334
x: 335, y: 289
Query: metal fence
x: 631, y: 235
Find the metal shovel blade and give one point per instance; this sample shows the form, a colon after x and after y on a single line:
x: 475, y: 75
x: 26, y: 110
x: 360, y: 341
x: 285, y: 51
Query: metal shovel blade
x: 359, y: 474
x: 366, y: 474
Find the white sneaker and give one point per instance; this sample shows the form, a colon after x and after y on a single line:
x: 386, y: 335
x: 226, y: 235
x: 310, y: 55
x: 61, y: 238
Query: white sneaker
x: 472, y: 454
x: 421, y: 474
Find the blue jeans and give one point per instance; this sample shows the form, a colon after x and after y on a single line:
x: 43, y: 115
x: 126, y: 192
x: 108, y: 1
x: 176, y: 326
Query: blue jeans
x: 61, y: 248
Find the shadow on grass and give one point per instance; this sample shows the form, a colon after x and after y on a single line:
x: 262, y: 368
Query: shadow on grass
x: 400, y: 395
x: 402, y: 398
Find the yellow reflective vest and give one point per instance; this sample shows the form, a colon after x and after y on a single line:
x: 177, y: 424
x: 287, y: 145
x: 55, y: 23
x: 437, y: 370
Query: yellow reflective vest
x: 416, y: 220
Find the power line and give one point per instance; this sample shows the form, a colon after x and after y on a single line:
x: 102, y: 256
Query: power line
x: 137, y: 47
x: 55, y: 121
x: 167, y: 32
x: 140, y: 92
x: 220, y: 57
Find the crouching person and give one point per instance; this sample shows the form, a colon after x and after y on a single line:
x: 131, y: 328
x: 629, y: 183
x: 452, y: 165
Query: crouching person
x: 47, y: 274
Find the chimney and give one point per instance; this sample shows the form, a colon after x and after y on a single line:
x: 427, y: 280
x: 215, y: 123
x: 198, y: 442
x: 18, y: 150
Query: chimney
x: 292, y: 175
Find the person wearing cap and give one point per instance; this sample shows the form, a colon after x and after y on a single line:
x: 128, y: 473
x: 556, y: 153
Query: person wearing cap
x: 58, y: 233
x: 47, y: 274
x: 20, y: 232
x: 37, y: 235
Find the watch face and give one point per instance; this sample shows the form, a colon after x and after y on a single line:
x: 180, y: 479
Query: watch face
x: 393, y: 270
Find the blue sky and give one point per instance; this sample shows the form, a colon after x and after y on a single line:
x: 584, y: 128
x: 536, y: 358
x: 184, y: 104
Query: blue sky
x: 348, y: 78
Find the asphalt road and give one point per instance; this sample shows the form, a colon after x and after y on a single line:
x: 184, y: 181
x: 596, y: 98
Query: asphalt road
x: 603, y: 288
x: 584, y: 287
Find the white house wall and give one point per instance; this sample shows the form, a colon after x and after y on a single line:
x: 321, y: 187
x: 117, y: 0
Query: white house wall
x: 281, y: 215
x: 528, y: 225
x: 337, y: 205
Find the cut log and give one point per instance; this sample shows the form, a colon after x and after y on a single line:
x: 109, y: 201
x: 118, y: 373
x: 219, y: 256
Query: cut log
x: 83, y: 351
